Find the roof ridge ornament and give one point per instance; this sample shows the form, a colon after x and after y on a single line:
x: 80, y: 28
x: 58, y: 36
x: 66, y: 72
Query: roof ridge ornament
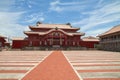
x: 38, y: 23
x: 56, y: 28
x: 68, y: 24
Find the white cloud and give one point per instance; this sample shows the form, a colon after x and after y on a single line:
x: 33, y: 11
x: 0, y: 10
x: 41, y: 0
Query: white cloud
x: 55, y: 3
x: 54, y: 6
x: 29, y: 6
x: 106, y: 14
x: 9, y: 20
x: 34, y: 17
x: 100, y: 2
x: 9, y: 24
x: 5, y: 5
x: 42, y: 19
x: 66, y: 6
x: 96, y: 32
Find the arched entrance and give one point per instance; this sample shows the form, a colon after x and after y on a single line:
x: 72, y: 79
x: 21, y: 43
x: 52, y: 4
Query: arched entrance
x: 57, y: 39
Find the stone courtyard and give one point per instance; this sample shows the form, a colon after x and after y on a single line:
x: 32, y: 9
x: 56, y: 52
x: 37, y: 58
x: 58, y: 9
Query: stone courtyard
x: 85, y: 65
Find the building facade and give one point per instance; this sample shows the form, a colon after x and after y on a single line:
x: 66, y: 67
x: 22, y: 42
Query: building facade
x: 110, y: 40
x: 50, y: 35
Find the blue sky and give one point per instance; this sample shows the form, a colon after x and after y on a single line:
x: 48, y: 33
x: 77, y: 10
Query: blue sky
x: 92, y: 16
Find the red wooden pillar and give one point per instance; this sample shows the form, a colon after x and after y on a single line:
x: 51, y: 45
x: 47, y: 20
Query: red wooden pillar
x: 66, y: 42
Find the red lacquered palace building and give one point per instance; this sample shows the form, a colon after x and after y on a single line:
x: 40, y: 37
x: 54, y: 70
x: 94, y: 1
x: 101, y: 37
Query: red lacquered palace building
x: 50, y: 35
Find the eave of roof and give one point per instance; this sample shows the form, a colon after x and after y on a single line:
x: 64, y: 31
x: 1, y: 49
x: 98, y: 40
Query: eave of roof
x: 79, y: 33
x: 2, y: 36
x: 44, y: 33
x: 113, y: 30
x: 90, y: 38
x: 30, y: 32
x: 18, y: 38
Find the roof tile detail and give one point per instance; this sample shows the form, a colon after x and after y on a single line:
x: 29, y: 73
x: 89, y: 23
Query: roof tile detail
x: 90, y: 38
x: 18, y: 38
x: 61, y: 26
x: 43, y: 33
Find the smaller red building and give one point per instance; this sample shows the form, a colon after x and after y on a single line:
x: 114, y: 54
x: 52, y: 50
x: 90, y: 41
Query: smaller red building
x: 90, y: 42
x: 2, y: 41
x: 20, y: 42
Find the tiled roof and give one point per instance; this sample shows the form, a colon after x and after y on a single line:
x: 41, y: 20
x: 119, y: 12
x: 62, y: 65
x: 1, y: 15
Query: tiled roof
x: 78, y: 33
x: 113, y: 30
x: 18, y: 38
x: 2, y: 36
x: 43, y: 33
x: 90, y: 38
x: 32, y: 32
x: 61, y: 26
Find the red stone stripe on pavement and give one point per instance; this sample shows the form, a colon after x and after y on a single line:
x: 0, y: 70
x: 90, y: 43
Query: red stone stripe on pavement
x: 111, y: 70
x: 17, y: 65
x: 54, y: 67
x: 13, y: 71
x: 8, y: 79
x: 98, y: 65
x: 102, y: 79
x: 19, y: 62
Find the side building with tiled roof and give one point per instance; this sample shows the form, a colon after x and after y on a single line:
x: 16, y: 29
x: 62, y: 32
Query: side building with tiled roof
x: 90, y: 42
x: 110, y: 40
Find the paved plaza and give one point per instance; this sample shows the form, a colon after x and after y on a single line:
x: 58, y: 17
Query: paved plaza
x: 95, y: 65
x: 60, y: 65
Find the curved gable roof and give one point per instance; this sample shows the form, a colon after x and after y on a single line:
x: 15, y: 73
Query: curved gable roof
x: 44, y: 33
x: 57, y: 30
